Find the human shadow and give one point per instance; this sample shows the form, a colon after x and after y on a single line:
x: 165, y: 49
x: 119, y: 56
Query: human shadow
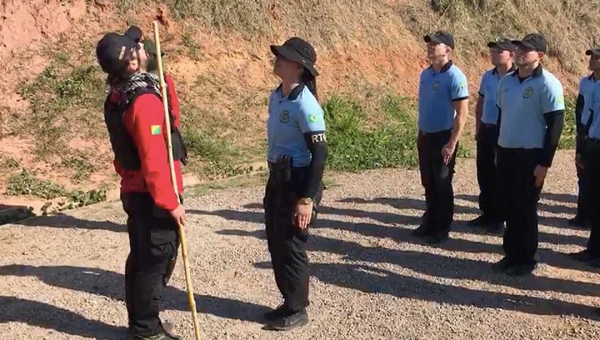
x: 112, y: 285
x: 555, y: 209
x: 370, y: 279
x: 406, y: 203
x: 402, y: 234
x: 64, y: 221
x: 436, y: 264
x: 40, y: 314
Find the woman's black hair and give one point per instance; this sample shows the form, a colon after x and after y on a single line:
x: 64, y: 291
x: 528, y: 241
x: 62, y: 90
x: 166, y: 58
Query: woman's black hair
x: 310, y: 81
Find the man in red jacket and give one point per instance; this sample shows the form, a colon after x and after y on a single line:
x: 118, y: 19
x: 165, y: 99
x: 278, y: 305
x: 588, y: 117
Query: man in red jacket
x: 135, y: 119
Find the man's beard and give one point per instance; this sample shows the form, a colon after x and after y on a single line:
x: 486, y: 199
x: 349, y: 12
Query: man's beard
x: 152, y: 65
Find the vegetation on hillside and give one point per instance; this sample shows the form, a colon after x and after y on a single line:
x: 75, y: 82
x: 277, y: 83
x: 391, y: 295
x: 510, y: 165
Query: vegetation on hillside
x: 365, y: 131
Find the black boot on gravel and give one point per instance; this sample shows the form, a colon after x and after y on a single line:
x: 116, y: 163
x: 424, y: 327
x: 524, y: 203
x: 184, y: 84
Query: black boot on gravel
x: 289, y: 321
x: 275, y: 313
x: 165, y: 335
x: 502, y: 265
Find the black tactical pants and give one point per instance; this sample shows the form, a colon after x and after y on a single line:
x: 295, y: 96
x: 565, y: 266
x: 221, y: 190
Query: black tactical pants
x: 487, y: 139
x: 153, y: 241
x: 436, y: 178
x: 581, y: 205
x: 286, y: 241
x: 519, y: 202
x: 591, y: 159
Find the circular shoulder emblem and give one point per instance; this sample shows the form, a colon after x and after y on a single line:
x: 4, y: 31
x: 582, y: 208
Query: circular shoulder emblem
x: 284, y: 116
x: 527, y: 92
x: 436, y: 85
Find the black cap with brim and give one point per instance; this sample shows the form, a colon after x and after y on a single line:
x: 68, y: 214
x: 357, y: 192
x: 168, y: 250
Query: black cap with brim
x: 291, y: 52
x: 533, y: 41
x: 594, y: 51
x: 113, y: 48
x: 442, y: 37
x: 502, y: 44
x: 134, y: 33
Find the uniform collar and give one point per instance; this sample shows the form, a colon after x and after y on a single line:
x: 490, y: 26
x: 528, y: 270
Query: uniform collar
x: 445, y: 68
x: 294, y: 94
x: 511, y: 69
x: 591, y: 77
x: 537, y: 72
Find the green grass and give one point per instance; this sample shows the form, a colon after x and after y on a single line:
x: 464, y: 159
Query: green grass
x: 66, y: 100
x: 27, y: 184
x: 357, y: 143
x: 569, y: 134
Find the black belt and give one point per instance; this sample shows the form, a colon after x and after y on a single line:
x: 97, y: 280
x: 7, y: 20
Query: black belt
x: 488, y: 126
x: 432, y: 134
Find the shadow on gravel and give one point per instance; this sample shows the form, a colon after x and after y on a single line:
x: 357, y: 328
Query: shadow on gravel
x: 46, y: 316
x: 369, y: 279
x: 439, y: 265
x: 112, y: 285
x: 555, y: 209
x: 402, y: 234
x: 407, y: 203
x: 70, y: 222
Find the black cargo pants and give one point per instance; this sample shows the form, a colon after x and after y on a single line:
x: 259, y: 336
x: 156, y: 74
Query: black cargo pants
x: 581, y: 205
x: 436, y: 178
x: 591, y: 160
x: 487, y: 140
x: 153, y: 242
x: 519, y: 198
x: 286, y: 241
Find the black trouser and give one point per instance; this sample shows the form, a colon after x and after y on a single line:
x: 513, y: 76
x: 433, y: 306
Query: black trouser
x: 487, y: 139
x: 287, y: 242
x: 153, y: 241
x: 580, y: 182
x: 591, y: 159
x: 436, y: 177
x: 519, y: 198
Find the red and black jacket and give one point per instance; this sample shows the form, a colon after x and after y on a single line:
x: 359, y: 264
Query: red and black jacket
x: 136, y: 124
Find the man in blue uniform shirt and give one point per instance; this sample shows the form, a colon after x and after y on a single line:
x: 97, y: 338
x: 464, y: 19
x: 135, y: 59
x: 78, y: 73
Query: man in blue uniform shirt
x: 531, y: 119
x: 486, y: 133
x: 582, y: 114
x: 443, y: 110
x: 591, y: 164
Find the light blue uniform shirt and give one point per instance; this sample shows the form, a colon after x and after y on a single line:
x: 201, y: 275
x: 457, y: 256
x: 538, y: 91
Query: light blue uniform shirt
x: 594, y: 131
x: 488, y: 90
x: 289, y: 119
x: 523, y: 106
x: 437, y: 92
x: 586, y: 87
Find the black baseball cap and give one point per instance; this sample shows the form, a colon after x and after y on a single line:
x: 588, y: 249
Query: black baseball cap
x: 533, y: 41
x: 502, y: 44
x: 298, y: 50
x: 112, y: 48
x: 594, y: 51
x: 440, y: 37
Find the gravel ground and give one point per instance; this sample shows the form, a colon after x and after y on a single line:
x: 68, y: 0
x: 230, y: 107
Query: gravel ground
x: 62, y: 277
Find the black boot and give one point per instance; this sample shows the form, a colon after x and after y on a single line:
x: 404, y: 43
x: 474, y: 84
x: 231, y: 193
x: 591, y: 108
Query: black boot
x: 290, y: 321
x: 276, y: 313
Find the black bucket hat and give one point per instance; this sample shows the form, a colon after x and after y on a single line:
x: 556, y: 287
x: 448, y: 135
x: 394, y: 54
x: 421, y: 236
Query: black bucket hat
x: 298, y: 50
x: 111, y: 49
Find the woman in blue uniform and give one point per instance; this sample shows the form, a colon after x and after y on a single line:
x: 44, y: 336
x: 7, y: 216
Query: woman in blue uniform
x: 297, y: 152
